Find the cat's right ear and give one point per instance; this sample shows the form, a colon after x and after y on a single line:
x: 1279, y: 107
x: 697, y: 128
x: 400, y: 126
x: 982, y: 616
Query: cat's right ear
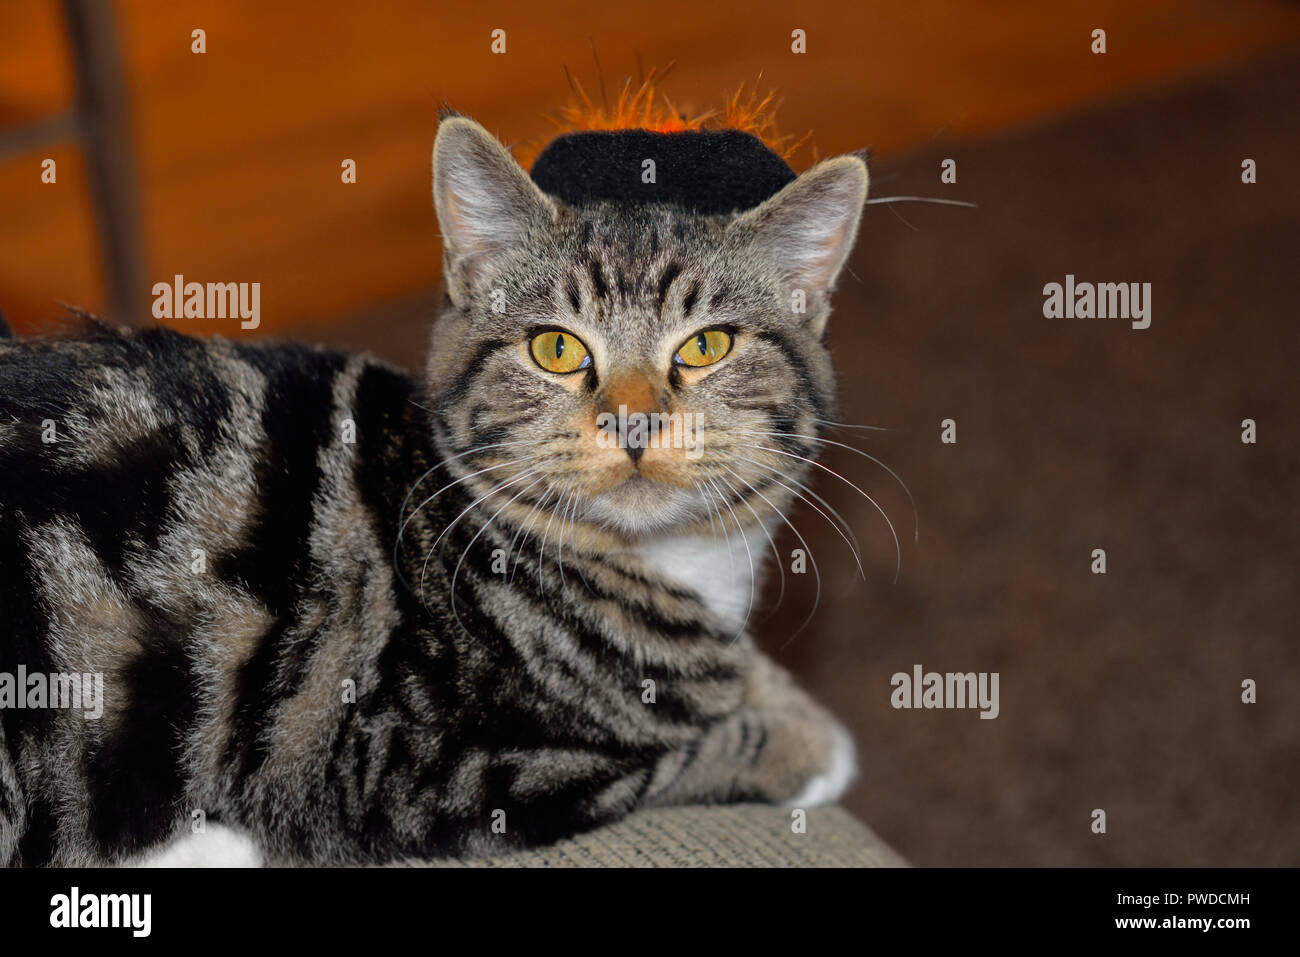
x: 487, y: 205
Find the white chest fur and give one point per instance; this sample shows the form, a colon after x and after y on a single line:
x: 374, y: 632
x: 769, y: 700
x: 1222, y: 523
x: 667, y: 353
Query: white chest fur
x: 725, y: 572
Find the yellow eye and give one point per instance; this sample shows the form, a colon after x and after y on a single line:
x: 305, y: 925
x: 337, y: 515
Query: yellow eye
x: 557, y: 351
x: 704, y: 348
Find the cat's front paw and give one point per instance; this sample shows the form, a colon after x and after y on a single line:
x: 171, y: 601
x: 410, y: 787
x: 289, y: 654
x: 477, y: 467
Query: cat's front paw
x: 840, y: 770
x: 806, y: 760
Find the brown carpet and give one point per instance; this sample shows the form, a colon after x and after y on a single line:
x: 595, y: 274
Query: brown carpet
x: 1118, y: 691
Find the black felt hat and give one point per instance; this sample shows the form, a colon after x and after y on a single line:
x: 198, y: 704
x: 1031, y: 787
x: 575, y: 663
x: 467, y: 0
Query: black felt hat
x: 707, y: 171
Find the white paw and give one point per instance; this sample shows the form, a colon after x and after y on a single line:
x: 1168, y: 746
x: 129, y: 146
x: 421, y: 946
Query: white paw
x: 217, y: 846
x: 830, y: 787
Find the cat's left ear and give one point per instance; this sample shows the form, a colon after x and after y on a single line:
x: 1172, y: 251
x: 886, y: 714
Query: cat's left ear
x: 806, y: 231
x: 487, y: 205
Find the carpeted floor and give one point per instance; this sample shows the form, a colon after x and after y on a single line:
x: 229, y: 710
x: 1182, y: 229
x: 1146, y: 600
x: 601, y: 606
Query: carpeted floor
x: 1120, y: 692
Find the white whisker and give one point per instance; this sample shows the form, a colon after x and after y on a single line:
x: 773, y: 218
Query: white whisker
x: 536, y: 511
x: 898, y: 549
x: 466, y: 550
x: 780, y: 564
x: 744, y: 540
x: 816, y: 572
x: 916, y: 516
x: 424, y: 569
x: 854, y: 548
x: 920, y: 199
x: 404, y: 520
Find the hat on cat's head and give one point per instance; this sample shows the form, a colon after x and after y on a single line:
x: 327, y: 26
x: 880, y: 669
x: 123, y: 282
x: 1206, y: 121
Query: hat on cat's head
x: 645, y: 151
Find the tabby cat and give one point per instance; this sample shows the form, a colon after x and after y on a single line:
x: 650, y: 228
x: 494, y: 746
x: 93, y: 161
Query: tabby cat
x: 343, y: 614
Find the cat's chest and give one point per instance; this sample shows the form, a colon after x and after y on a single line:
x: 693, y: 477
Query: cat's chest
x: 725, y: 572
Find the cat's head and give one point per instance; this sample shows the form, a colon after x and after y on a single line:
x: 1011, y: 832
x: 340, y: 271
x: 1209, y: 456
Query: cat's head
x: 567, y: 329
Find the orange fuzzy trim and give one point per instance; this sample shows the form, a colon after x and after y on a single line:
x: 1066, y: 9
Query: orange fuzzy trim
x: 646, y: 108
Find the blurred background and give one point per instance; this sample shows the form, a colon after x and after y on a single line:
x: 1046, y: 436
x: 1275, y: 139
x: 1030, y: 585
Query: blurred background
x: 1119, y: 691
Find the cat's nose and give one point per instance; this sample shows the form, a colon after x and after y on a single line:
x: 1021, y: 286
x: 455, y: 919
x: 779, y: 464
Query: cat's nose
x: 633, y: 392
x: 632, y: 402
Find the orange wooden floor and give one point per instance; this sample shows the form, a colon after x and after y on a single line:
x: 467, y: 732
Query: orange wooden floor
x: 239, y: 149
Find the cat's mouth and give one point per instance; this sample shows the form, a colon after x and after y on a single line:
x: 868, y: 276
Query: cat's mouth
x: 637, y: 487
x: 626, y: 478
x: 651, y: 480
x: 640, y: 504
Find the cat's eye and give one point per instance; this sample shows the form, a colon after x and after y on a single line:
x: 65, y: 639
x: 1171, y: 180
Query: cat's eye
x: 704, y: 348
x: 559, y: 351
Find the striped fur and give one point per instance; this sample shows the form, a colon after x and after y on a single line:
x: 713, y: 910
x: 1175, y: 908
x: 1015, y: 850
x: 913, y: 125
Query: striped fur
x: 286, y: 562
